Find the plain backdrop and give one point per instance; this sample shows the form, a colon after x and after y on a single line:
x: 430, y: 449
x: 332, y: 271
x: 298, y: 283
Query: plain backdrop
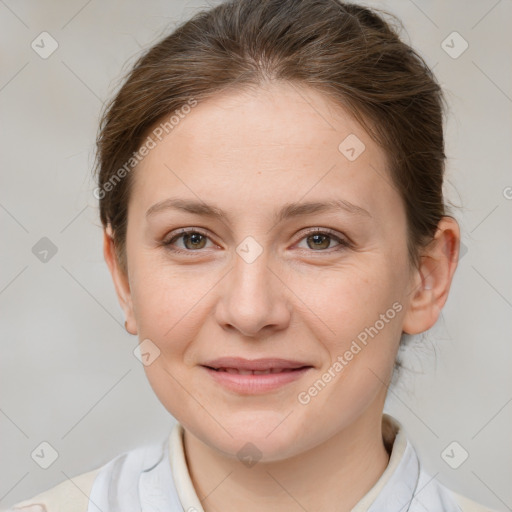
x: 68, y: 372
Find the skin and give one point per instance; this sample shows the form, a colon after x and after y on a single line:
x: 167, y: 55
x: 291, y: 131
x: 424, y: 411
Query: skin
x: 249, y: 153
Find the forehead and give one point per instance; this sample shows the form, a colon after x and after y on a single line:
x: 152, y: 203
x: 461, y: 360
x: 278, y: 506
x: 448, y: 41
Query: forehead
x: 272, y: 119
x: 280, y: 141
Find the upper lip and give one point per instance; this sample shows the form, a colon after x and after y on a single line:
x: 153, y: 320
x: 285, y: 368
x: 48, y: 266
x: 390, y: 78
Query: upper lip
x: 254, y: 364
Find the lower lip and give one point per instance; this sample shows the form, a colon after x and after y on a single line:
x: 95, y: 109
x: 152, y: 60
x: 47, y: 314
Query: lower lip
x: 255, y: 384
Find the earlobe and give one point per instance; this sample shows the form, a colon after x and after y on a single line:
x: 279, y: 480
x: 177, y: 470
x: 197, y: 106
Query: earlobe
x: 120, y: 279
x: 432, y: 281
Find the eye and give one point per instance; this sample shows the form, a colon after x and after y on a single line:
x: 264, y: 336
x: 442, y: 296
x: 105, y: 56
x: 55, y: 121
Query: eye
x: 320, y: 239
x: 193, y: 240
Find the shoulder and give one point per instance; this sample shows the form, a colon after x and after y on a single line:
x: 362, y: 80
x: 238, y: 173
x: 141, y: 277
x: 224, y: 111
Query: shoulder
x: 72, y: 495
x: 429, y: 493
x: 467, y: 505
x: 75, y: 494
x: 432, y: 491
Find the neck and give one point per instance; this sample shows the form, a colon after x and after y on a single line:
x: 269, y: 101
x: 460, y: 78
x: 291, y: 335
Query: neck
x: 333, y: 476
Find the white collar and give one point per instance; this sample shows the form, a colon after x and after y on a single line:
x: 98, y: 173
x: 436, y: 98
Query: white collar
x: 144, y: 480
x: 394, y: 438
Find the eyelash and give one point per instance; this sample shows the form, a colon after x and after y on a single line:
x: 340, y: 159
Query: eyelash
x: 343, y: 243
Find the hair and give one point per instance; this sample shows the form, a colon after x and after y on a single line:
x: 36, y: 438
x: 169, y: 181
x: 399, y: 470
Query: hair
x: 346, y: 51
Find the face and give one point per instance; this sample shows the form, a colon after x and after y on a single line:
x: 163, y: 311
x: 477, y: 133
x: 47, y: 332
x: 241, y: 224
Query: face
x: 231, y: 255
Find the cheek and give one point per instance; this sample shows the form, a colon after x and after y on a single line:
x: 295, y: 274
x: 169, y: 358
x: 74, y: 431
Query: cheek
x: 167, y: 309
x: 360, y: 316
x: 362, y: 356
x: 165, y: 305
x: 347, y: 300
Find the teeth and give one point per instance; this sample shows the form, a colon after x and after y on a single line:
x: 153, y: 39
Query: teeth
x: 255, y: 372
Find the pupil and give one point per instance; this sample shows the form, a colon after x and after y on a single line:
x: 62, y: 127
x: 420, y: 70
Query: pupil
x: 195, y: 238
x: 319, y: 240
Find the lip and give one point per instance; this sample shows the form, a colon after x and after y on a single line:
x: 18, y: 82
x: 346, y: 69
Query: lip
x: 226, y: 371
x: 255, y: 364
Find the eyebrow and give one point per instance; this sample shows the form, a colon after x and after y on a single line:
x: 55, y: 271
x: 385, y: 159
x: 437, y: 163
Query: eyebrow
x: 287, y: 211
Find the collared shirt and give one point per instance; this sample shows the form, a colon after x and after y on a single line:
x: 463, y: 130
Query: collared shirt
x: 155, y: 478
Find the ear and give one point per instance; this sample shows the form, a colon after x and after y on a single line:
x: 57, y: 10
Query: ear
x: 431, y: 282
x: 120, y: 279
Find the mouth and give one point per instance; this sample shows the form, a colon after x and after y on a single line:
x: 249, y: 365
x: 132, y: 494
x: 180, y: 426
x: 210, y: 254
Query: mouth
x: 254, y: 366
x: 268, y: 371
x: 244, y: 376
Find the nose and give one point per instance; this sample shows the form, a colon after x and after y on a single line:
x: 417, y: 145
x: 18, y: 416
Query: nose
x: 254, y: 298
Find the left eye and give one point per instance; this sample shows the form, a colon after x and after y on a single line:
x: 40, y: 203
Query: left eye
x: 319, y: 240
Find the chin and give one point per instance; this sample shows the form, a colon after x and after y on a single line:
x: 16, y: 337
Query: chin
x: 260, y: 436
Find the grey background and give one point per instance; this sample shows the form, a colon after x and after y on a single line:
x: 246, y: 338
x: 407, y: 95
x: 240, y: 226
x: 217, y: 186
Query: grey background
x: 68, y: 374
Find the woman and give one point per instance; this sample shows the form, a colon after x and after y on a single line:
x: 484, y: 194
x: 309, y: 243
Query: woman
x: 270, y: 184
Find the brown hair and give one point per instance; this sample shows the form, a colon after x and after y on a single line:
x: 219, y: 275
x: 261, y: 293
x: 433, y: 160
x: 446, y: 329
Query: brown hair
x: 343, y: 50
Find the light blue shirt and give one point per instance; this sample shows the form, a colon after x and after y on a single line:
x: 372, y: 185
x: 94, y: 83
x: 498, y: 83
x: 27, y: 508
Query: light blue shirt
x: 142, y: 480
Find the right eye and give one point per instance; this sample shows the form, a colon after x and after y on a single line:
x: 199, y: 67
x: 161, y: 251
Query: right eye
x: 193, y: 241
